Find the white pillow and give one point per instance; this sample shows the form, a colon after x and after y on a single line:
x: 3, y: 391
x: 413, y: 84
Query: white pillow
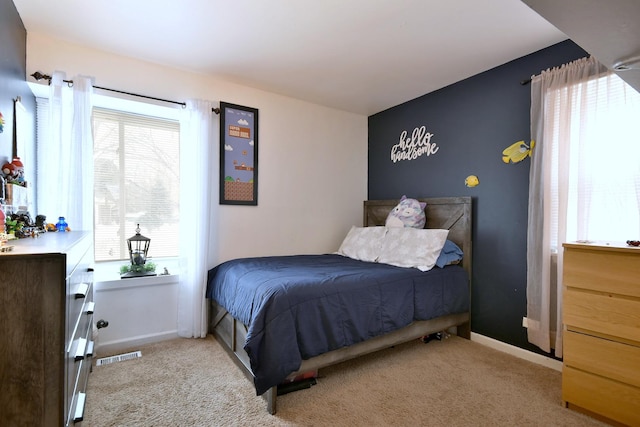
x: 412, y: 247
x: 363, y: 243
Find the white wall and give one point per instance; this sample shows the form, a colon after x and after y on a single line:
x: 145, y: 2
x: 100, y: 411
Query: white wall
x: 139, y: 311
x: 312, y: 159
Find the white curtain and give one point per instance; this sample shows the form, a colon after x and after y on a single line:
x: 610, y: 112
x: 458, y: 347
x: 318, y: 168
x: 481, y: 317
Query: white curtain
x: 65, y: 163
x: 584, y: 179
x: 199, y: 161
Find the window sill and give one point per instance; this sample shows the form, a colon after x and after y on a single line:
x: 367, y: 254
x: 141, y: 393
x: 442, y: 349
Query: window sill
x: 107, y: 271
x: 137, y: 282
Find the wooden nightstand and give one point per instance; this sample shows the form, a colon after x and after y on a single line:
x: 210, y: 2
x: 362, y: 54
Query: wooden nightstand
x: 601, y: 316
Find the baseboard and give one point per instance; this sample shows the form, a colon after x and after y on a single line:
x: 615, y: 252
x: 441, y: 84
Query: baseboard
x: 114, y: 347
x: 517, y: 351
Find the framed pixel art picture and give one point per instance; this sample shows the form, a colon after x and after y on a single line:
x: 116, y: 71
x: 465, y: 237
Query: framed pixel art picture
x: 238, y: 155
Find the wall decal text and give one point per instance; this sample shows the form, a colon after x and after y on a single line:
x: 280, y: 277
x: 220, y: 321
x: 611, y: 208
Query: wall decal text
x: 418, y: 145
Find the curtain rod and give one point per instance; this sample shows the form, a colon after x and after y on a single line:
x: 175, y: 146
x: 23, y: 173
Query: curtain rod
x: 39, y: 76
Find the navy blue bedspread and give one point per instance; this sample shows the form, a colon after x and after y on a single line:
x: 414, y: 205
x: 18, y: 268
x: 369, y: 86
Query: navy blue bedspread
x: 297, y: 307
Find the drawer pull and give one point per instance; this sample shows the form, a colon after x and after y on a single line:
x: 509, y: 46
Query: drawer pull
x: 90, y: 307
x: 81, y: 349
x: 81, y: 290
x: 78, y: 414
x: 90, y: 348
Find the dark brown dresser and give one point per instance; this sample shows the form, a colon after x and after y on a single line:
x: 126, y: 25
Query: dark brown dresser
x: 46, y: 304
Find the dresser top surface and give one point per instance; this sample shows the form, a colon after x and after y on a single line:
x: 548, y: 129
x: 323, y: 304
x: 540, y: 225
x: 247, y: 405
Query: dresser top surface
x: 602, y: 245
x: 46, y: 243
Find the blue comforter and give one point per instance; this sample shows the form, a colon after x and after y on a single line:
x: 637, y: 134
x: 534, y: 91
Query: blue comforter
x: 297, y: 307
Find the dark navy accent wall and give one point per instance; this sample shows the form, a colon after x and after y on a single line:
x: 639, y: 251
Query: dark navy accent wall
x: 472, y: 122
x: 13, y: 64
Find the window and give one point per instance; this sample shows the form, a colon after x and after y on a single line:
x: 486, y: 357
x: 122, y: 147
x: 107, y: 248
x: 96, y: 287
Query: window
x: 136, y: 181
x: 585, y: 179
x: 602, y: 174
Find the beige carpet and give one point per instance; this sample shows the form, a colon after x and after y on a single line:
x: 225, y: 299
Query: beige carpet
x: 455, y: 382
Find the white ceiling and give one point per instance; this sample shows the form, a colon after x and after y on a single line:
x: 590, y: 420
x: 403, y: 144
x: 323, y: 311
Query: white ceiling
x: 362, y: 56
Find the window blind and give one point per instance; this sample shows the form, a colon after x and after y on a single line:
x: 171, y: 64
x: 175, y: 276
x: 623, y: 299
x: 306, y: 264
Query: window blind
x: 137, y: 179
x: 596, y: 122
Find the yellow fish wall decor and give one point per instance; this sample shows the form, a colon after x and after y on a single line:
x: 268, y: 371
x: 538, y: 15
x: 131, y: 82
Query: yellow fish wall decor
x: 517, y: 152
x: 471, y: 181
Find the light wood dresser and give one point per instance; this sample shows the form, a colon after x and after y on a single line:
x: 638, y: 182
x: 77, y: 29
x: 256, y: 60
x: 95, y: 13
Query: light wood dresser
x: 601, y: 316
x: 46, y: 301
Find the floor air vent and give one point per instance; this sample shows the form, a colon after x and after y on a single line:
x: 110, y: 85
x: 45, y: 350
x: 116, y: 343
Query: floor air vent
x: 119, y: 358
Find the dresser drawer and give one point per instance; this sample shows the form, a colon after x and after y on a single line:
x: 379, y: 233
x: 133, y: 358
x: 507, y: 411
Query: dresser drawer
x: 604, y: 313
x: 77, y: 405
x: 80, y: 371
x: 607, y: 358
x: 79, y: 284
x: 80, y: 297
x: 610, y: 398
x: 612, y: 271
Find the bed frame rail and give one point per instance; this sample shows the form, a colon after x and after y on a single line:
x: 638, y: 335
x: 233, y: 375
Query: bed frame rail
x: 231, y: 334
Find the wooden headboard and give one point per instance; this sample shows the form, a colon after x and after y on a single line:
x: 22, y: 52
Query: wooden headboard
x: 451, y: 213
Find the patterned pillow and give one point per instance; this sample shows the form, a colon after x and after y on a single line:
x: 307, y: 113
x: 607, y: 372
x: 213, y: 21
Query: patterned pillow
x: 408, y: 213
x: 410, y: 247
x: 363, y: 243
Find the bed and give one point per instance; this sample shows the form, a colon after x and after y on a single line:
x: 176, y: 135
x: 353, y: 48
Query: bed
x: 275, y: 338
